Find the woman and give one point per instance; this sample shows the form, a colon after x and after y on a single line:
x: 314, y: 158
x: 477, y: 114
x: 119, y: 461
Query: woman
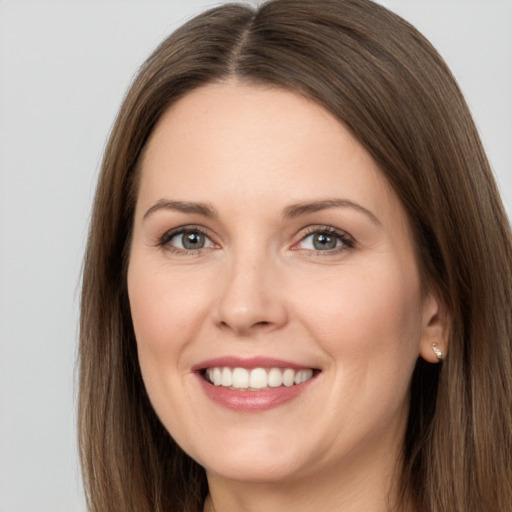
x: 297, y: 285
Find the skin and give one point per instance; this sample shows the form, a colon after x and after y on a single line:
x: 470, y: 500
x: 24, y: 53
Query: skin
x: 258, y: 287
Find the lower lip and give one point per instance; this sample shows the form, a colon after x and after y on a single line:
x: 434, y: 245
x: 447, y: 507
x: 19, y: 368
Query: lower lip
x: 252, y: 401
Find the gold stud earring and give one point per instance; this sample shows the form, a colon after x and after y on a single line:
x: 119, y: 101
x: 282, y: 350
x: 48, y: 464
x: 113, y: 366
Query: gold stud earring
x: 437, y: 352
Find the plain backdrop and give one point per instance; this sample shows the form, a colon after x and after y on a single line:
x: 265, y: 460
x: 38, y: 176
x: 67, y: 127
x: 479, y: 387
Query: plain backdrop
x: 64, y: 67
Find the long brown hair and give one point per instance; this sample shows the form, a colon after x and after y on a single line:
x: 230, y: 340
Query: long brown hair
x: 386, y: 83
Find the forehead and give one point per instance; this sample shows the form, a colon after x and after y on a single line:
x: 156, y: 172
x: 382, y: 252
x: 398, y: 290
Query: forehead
x: 241, y: 135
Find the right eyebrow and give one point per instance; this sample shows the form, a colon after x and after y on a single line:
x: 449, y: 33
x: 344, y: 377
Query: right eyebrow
x: 296, y: 210
x: 181, y: 206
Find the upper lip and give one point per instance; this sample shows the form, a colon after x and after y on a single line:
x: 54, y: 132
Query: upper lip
x: 248, y: 363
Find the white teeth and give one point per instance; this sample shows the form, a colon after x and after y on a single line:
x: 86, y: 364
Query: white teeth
x: 227, y: 377
x: 240, y: 378
x: 275, y: 378
x: 257, y: 378
x: 217, y: 376
x: 288, y: 377
x: 303, y: 376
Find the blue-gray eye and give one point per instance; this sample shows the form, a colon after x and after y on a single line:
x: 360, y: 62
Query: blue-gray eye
x: 325, y: 241
x: 190, y: 240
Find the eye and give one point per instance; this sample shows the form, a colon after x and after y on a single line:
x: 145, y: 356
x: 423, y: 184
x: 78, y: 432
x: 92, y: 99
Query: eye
x: 187, y: 239
x: 326, y: 240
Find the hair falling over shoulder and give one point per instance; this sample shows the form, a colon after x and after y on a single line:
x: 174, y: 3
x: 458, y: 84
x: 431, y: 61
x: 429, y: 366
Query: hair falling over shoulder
x: 387, y: 84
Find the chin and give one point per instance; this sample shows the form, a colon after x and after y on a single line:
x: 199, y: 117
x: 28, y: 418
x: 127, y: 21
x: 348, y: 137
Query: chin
x: 253, y: 471
x: 255, y: 458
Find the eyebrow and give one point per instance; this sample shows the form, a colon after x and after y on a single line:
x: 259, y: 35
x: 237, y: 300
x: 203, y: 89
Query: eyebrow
x: 290, y: 212
x: 181, y: 206
x: 299, y: 209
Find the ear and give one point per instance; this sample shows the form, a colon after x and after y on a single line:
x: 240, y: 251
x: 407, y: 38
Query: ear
x: 435, y: 329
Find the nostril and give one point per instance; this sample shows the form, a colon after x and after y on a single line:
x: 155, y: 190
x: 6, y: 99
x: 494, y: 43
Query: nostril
x: 246, y: 329
x: 254, y: 313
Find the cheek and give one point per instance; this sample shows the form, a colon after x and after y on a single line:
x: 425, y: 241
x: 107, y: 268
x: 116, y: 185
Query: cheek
x: 370, y: 326
x: 165, y: 309
x: 371, y: 316
x: 167, y: 313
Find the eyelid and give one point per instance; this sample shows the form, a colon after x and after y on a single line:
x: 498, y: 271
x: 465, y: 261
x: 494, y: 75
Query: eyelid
x: 163, y: 240
x: 347, y: 240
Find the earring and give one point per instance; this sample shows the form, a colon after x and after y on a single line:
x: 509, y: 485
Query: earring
x: 437, y: 352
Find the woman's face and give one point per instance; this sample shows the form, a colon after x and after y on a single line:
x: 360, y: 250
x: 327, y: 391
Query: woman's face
x: 269, y: 249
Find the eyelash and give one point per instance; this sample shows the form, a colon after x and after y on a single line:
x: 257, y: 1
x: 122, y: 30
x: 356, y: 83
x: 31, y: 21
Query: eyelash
x: 169, y: 235
x: 347, y: 242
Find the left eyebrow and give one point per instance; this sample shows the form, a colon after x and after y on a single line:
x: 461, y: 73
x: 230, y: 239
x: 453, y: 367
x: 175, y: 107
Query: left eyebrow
x: 299, y: 209
x: 181, y: 206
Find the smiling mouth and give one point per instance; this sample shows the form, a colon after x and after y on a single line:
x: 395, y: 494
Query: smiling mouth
x: 257, y: 379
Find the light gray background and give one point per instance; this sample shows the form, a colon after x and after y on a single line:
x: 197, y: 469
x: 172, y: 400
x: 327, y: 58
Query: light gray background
x: 64, y: 67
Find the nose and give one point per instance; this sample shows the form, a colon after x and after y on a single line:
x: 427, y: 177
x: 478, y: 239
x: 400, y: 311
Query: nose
x: 251, y: 297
